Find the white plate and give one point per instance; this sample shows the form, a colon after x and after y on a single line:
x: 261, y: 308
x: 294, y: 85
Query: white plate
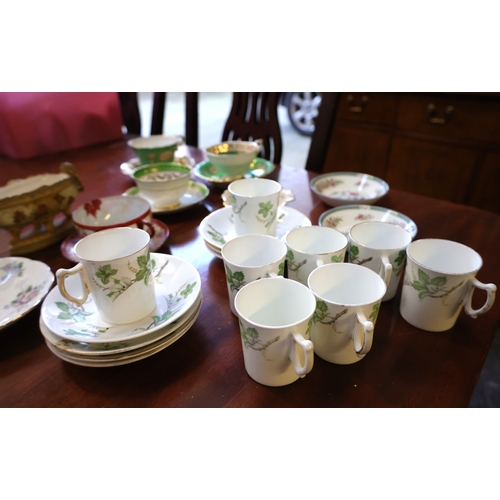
x: 195, y: 193
x: 162, y: 232
x: 23, y: 284
x: 177, y: 283
x: 109, y: 350
x: 343, y: 188
x: 126, y: 359
x: 218, y: 228
x: 343, y: 218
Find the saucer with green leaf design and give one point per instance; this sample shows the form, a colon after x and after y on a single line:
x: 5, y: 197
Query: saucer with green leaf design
x: 177, y: 286
x: 212, y: 174
x: 218, y: 227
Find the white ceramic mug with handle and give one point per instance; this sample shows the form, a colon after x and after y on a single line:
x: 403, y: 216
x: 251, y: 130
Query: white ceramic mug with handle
x: 115, y: 270
x: 381, y: 247
x: 439, y: 281
x: 249, y: 258
x: 311, y: 246
x: 274, y: 314
x: 254, y: 204
x: 348, y: 300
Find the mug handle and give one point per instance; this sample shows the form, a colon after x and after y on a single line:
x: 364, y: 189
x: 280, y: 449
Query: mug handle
x: 362, y: 346
x: 147, y: 226
x: 62, y: 274
x: 385, y: 271
x: 297, y: 340
x: 490, y: 298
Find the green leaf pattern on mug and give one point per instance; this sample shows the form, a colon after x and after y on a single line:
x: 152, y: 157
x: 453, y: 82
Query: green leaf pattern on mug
x: 268, y: 213
x: 235, y: 280
x: 434, y: 288
x: 321, y: 316
x: 337, y: 258
x: 399, y: 262
x: 294, y: 266
x: 116, y: 286
x: 251, y: 339
x: 354, y: 256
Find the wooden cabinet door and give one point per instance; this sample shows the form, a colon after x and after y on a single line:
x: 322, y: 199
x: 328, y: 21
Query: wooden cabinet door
x: 431, y: 169
x: 484, y: 191
x: 358, y: 150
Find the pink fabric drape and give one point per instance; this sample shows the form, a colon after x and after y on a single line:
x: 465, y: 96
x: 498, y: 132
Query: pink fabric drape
x: 38, y: 123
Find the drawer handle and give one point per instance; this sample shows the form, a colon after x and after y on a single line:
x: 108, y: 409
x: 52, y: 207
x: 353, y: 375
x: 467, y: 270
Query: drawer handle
x: 431, y: 109
x: 356, y: 109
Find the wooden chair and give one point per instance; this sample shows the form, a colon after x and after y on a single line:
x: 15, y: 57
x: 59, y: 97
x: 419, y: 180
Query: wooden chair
x: 323, y: 131
x: 158, y: 116
x: 254, y: 115
x: 130, y: 112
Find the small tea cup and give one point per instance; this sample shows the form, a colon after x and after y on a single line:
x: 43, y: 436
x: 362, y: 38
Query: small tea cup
x: 233, y: 158
x: 155, y: 148
x: 113, y: 211
x: 163, y: 184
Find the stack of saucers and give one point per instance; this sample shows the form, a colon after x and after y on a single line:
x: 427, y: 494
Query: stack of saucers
x: 80, y: 336
x: 218, y: 227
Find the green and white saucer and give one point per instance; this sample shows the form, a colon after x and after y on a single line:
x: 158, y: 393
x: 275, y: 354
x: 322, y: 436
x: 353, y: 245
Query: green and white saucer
x: 209, y: 172
x: 196, y: 192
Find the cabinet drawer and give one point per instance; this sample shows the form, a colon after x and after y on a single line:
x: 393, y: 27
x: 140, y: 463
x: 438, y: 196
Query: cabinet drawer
x: 450, y: 117
x: 358, y: 150
x: 378, y: 108
x: 435, y: 170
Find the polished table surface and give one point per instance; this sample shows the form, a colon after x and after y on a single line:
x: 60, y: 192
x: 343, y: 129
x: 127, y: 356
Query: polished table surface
x: 406, y: 367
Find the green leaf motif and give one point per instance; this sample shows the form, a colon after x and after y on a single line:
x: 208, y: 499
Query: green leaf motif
x: 374, y: 313
x: 337, y: 258
x: 281, y: 269
x: 250, y: 337
x: 433, y: 288
x: 105, y: 272
x: 265, y: 208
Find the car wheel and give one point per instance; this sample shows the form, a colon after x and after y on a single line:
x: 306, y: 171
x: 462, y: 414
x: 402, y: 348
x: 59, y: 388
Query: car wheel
x: 302, y: 110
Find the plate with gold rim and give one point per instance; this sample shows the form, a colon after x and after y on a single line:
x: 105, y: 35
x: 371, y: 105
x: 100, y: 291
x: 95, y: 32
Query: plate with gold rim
x: 209, y: 172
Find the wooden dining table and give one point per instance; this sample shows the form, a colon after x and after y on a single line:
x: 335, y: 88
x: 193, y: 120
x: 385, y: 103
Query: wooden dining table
x: 406, y: 367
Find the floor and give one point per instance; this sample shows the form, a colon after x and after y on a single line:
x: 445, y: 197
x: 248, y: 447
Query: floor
x: 214, y: 108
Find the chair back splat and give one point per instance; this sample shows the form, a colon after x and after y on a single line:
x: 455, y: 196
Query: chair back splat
x: 254, y: 115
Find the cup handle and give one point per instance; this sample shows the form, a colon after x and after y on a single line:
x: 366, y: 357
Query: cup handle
x: 385, y: 271
x: 260, y: 143
x: 490, y: 298
x: 298, y: 341
x: 147, y: 226
x: 180, y: 140
x: 62, y: 274
x: 362, y: 346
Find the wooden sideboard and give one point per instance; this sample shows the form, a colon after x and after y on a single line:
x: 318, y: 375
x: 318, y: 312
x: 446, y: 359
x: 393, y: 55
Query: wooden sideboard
x: 444, y: 145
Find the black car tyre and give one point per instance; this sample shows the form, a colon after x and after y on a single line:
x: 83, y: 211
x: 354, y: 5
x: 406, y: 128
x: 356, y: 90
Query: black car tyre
x: 302, y: 110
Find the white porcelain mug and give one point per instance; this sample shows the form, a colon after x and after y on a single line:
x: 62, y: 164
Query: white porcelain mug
x: 381, y: 247
x: 439, y: 281
x: 115, y: 270
x: 311, y: 246
x: 348, y: 299
x: 249, y: 258
x: 274, y: 314
x: 254, y: 204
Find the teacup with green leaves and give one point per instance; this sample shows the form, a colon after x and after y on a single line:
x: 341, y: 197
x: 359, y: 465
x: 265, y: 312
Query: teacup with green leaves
x: 311, y: 246
x: 115, y: 272
x: 381, y: 247
x: 348, y: 299
x: 439, y: 280
x: 249, y: 258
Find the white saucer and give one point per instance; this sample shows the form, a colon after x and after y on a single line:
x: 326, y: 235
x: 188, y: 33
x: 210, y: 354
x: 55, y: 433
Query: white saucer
x: 128, y: 357
x: 218, y: 228
x: 195, y: 193
x: 23, y: 284
x: 343, y: 218
x: 177, y: 283
x: 106, y: 350
x: 162, y: 232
